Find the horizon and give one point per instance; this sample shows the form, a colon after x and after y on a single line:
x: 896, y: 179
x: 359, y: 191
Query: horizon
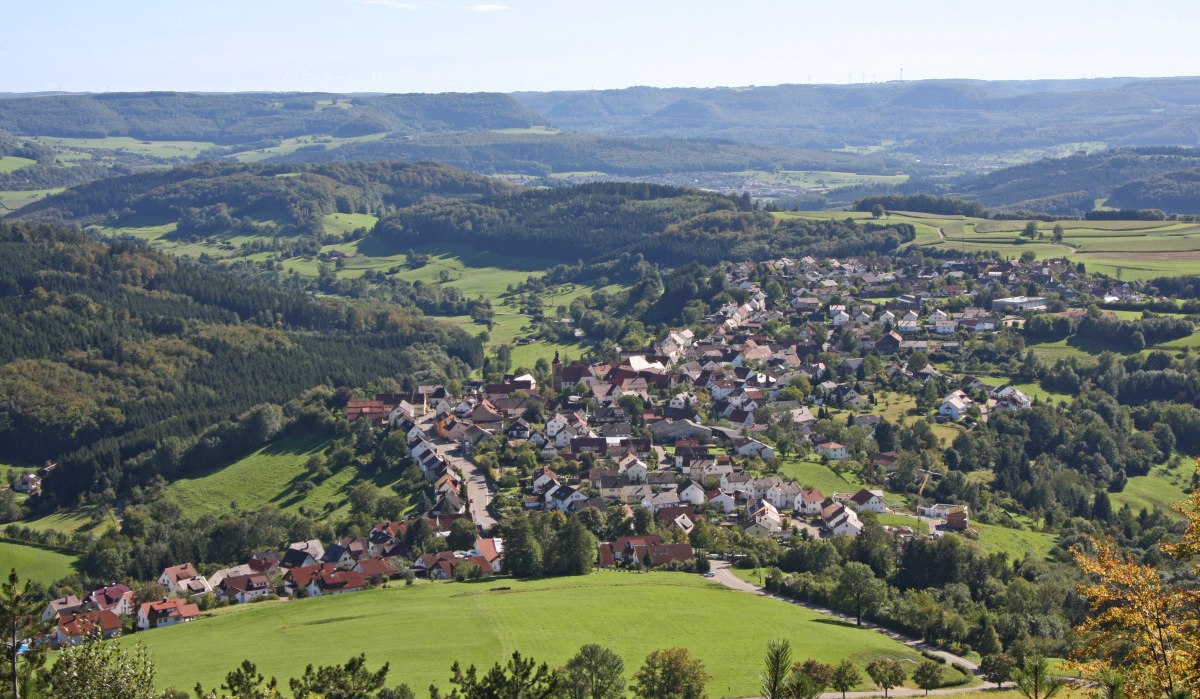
x: 381, y: 93
x: 437, y: 46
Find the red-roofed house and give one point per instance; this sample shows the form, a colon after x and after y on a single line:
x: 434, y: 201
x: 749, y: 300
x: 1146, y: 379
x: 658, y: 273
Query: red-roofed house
x: 116, y: 598
x: 171, y: 576
x: 73, y: 628
x: 168, y: 612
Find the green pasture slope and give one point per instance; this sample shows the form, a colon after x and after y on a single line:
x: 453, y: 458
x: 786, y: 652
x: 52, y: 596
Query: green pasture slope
x: 269, y: 476
x: 36, y: 564
x: 421, y: 630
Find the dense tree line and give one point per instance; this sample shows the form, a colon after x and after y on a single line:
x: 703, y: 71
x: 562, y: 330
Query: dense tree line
x: 222, y: 197
x: 925, y: 203
x: 601, y: 221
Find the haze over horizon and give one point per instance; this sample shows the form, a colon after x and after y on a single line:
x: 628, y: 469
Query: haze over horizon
x: 537, y: 45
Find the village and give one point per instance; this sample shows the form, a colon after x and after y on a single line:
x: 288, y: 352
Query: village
x: 677, y: 434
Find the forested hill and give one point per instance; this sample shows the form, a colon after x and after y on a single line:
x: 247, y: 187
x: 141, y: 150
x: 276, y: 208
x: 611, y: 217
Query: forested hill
x: 934, y: 118
x: 241, y: 118
x: 1071, y: 185
x: 207, y: 198
x: 543, y: 153
x: 666, y: 225
x: 116, y: 359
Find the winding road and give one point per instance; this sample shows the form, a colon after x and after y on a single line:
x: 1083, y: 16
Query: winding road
x: 725, y: 576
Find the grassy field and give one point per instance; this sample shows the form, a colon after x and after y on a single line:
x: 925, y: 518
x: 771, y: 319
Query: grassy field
x: 1130, y: 250
x: 1161, y: 488
x: 422, y: 629
x: 813, y: 474
x: 35, y: 564
x: 267, y: 476
x: 13, y: 199
x: 157, y: 149
x: 291, y: 145
x: 1015, y: 542
x: 11, y: 163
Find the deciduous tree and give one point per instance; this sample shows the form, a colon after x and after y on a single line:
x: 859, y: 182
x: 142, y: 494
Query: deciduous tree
x: 671, y: 674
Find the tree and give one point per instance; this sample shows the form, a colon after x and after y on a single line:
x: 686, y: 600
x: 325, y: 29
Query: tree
x: 1034, y: 681
x: 576, y: 549
x: 462, y: 535
x: 845, y: 677
x: 886, y: 673
x: 350, y: 681
x: 98, y: 670
x: 809, y: 679
x: 20, y: 616
x: 594, y: 673
x: 1058, y: 233
x: 522, y: 551
x: 1030, y: 231
x: 245, y: 682
x: 997, y: 668
x: 671, y: 674
x: 928, y: 675
x: 859, y: 591
x: 1138, y: 622
x: 520, y: 678
x: 878, y: 211
x: 778, y: 665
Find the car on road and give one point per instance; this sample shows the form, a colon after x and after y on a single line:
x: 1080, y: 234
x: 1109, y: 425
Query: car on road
x: 710, y: 574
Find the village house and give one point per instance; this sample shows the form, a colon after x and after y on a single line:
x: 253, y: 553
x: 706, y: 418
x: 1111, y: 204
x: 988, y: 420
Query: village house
x: 833, y: 451
x: 167, y: 612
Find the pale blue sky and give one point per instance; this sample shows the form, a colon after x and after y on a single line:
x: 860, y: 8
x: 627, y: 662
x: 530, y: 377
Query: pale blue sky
x: 507, y: 45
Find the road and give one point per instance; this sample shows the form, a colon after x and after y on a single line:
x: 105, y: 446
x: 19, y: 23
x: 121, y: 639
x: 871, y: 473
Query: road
x: 479, y: 491
x: 726, y: 577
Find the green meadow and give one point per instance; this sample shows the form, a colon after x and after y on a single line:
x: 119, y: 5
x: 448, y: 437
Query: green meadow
x: 12, y: 163
x: 1164, y: 486
x: 269, y: 476
x: 35, y: 564
x: 157, y: 149
x: 421, y: 630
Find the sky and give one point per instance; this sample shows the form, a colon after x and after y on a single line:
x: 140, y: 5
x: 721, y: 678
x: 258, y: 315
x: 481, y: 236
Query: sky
x: 514, y: 45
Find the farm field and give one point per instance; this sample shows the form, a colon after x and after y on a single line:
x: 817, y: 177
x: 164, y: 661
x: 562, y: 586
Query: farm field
x: 156, y: 149
x: 291, y: 145
x: 821, y: 178
x: 269, y: 476
x: 633, y: 614
x: 36, y: 564
x: 1129, y: 250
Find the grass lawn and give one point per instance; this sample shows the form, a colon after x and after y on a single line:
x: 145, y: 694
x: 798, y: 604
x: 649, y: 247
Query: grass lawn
x: 268, y: 476
x: 422, y: 629
x: 70, y: 521
x: 1161, y: 488
x: 32, y: 563
x: 814, y: 474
